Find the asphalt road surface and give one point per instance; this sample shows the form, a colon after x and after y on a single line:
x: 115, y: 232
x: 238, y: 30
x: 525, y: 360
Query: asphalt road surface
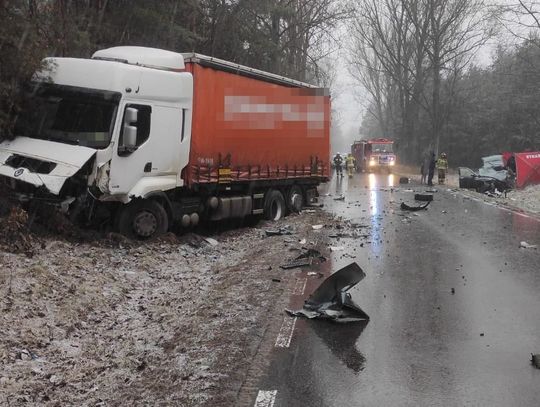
x: 454, y: 306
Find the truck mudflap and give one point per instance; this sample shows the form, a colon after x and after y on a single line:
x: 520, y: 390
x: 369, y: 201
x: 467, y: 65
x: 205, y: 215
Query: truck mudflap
x: 42, y: 163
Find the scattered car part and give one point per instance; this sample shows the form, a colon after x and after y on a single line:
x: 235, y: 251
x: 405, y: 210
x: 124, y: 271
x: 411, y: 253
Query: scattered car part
x: 423, y: 197
x: 303, y: 262
x: 312, y: 254
x: 331, y: 299
x: 279, y: 232
x: 336, y: 248
x: 403, y: 180
x: 406, y: 207
x: 535, y: 360
x: 525, y: 245
x: 317, y: 227
x: 211, y: 242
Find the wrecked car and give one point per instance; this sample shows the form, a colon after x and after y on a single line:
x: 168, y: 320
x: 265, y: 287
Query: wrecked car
x: 469, y: 179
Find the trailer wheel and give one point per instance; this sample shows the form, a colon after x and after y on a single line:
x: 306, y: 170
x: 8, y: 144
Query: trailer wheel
x: 142, y: 219
x: 295, y: 199
x: 274, y: 205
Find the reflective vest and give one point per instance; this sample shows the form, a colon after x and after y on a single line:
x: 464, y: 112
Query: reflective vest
x: 442, y: 164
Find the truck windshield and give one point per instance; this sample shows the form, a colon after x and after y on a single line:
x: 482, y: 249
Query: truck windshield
x: 381, y: 147
x: 69, y: 115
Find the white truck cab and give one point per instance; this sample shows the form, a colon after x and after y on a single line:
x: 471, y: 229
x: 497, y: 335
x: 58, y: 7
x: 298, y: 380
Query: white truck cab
x: 131, y: 118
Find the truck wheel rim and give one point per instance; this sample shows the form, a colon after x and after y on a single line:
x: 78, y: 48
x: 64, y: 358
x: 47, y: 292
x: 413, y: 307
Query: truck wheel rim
x: 276, y: 210
x: 145, y: 224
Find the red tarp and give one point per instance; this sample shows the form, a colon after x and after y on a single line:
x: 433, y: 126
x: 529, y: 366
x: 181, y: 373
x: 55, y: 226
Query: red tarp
x: 527, y: 168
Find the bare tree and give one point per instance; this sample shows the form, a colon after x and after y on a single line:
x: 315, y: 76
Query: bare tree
x: 419, y: 45
x: 520, y: 18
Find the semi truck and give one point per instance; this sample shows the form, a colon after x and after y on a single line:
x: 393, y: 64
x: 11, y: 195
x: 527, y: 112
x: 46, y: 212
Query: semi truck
x: 145, y: 139
x: 374, y: 154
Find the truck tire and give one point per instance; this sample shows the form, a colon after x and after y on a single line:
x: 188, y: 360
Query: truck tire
x: 142, y: 220
x: 295, y: 199
x: 274, y: 205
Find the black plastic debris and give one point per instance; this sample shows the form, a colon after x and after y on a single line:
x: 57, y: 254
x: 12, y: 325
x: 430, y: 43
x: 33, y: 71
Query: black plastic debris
x: 403, y: 180
x: 297, y: 263
x: 331, y: 299
x: 312, y: 254
x: 406, y: 207
x: 279, y: 232
x: 535, y: 360
x: 423, y: 197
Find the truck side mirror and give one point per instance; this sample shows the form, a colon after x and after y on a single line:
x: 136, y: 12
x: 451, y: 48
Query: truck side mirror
x: 130, y: 137
x: 129, y: 140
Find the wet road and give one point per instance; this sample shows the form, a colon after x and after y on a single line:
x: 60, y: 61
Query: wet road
x: 424, y: 345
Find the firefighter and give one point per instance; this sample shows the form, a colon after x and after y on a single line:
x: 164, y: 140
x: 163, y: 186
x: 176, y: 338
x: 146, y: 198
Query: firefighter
x: 338, y: 163
x: 350, y: 162
x: 442, y: 167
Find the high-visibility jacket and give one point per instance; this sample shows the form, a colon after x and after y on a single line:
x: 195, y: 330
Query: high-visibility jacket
x: 350, y: 160
x: 442, y: 164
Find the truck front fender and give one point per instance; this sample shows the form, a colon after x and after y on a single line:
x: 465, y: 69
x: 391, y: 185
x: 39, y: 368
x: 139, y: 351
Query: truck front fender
x: 150, y: 185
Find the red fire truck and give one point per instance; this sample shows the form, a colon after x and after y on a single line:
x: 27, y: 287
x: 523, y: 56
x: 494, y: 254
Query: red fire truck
x: 374, y: 154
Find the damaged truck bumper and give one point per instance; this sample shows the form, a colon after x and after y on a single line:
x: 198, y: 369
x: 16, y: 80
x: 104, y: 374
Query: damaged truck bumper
x: 34, y: 162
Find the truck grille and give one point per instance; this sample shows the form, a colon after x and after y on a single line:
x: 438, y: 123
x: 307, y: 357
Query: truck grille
x: 32, y: 164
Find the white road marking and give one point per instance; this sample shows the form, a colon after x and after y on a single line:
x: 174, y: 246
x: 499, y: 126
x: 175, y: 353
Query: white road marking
x: 286, y: 332
x: 266, y: 398
x: 299, y: 286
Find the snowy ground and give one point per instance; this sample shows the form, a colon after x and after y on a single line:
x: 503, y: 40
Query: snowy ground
x: 110, y: 322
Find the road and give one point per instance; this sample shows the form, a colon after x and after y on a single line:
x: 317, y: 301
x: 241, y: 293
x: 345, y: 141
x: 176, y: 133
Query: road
x: 453, y: 303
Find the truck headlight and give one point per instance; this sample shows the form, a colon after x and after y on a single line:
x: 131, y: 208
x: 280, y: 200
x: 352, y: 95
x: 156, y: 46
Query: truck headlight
x: 392, y: 162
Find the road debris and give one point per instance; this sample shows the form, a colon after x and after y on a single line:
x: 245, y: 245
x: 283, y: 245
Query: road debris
x: 336, y: 248
x: 403, y: 180
x: 304, y: 262
x: 331, y: 299
x: 285, y: 230
x: 312, y: 254
x: 340, y: 198
x: 525, y: 245
x: 406, y: 207
x: 423, y: 197
x: 211, y: 242
x: 535, y: 360
x: 317, y: 227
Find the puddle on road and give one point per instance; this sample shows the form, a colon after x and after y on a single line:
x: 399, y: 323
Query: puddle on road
x: 341, y: 340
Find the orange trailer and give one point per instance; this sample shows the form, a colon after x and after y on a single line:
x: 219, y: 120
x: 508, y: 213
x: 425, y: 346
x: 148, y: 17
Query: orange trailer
x: 249, y: 125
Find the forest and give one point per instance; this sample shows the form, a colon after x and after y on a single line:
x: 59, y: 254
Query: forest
x: 414, y: 59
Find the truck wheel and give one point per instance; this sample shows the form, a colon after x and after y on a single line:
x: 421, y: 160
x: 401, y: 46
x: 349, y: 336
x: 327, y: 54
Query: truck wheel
x: 295, y: 199
x: 142, y: 219
x: 274, y: 205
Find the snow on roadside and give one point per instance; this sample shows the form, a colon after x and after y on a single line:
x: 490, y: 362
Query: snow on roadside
x: 527, y: 199
x: 172, y: 322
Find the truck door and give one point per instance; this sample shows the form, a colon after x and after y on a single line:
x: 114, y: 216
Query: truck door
x: 152, y: 164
